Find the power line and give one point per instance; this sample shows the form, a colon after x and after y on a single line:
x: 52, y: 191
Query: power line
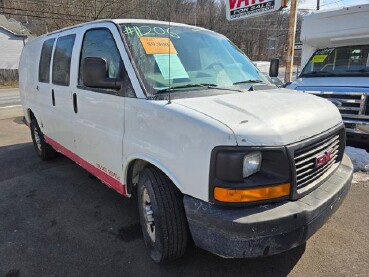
x: 53, y: 4
x: 50, y: 4
x: 54, y: 13
x: 71, y: 4
x: 67, y: 2
x: 44, y: 17
x: 320, y: 4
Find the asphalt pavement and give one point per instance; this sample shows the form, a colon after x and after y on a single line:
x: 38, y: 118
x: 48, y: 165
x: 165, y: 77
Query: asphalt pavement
x: 57, y: 221
x: 10, y: 103
x: 9, y: 97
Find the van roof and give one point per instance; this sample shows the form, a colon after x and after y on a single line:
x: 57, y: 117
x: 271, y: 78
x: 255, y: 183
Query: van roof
x: 122, y: 21
x: 334, y: 28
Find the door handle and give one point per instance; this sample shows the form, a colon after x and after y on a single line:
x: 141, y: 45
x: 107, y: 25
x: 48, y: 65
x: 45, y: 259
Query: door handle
x: 75, y: 106
x: 53, y: 97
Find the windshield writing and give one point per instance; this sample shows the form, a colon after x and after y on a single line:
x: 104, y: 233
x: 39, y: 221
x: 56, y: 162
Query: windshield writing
x: 182, y: 57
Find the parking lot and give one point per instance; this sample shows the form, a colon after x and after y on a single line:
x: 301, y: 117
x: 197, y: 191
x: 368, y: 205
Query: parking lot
x: 10, y: 105
x: 57, y: 221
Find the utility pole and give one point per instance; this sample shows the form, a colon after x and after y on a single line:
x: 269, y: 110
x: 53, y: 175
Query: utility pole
x: 196, y: 13
x: 95, y: 17
x: 291, y: 40
x: 318, y: 5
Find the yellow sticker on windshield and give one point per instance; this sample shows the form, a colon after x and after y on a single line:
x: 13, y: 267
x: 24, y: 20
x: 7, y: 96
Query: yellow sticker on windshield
x: 157, y: 45
x: 319, y: 58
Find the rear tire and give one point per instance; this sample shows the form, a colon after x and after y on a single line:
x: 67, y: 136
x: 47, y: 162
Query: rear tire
x: 43, y: 150
x: 162, y: 216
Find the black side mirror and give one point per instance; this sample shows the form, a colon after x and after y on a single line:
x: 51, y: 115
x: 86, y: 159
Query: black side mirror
x: 274, y: 68
x: 95, y: 74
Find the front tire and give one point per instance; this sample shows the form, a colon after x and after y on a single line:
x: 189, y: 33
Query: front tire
x: 43, y: 150
x: 162, y: 216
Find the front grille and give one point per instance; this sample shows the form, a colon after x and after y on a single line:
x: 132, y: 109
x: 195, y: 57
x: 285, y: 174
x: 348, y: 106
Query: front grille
x: 347, y: 103
x: 307, y: 173
x: 353, y: 106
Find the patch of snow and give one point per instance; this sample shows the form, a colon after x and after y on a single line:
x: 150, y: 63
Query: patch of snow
x: 359, y: 158
x: 361, y: 178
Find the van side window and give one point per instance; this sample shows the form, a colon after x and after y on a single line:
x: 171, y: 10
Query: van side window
x: 100, y: 43
x: 44, y: 65
x: 62, y: 60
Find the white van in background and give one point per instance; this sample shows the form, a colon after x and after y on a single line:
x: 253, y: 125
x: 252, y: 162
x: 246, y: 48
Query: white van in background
x: 181, y: 119
x: 335, y: 62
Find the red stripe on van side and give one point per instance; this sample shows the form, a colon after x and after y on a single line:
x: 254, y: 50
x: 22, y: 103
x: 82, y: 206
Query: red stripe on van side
x: 105, y: 178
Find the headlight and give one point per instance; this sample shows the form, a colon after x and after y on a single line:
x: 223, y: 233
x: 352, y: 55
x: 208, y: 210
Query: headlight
x: 232, y: 177
x: 251, y: 163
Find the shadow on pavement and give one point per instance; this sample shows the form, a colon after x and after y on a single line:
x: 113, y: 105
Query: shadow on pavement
x: 19, y: 120
x: 206, y: 264
x: 56, y: 221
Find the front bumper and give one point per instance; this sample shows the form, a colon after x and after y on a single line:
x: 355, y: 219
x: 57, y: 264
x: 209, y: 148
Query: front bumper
x: 268, y: 229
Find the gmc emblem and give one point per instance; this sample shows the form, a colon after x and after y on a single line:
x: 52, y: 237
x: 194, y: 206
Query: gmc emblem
x: 322, y: 159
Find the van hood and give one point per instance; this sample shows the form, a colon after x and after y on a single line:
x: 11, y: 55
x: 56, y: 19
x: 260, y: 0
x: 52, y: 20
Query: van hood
x: 268, y: 118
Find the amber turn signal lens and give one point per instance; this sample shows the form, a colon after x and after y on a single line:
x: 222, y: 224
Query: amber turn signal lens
x: 252, y: 194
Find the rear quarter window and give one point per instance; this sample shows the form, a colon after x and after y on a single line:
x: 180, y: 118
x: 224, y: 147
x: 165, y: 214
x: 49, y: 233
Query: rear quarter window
x: 62, y: 60
x: 45, y: 59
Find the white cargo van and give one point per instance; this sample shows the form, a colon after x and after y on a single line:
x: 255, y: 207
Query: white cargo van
x: 208, y: 146
x: 335, y: 62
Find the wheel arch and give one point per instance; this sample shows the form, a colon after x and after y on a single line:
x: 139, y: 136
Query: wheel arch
x: 137, y: 163
x: 30, y: 115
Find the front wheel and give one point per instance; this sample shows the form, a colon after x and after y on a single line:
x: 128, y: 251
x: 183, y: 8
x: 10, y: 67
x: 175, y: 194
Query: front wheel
x: 162, y: 216
x: 43, y: 150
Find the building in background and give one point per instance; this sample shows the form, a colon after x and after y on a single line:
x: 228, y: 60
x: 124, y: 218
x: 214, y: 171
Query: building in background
x: 13, y: 36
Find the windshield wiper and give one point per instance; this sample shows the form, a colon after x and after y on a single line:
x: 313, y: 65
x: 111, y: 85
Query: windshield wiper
x: 248, y: 82
x: 209, y: 86
x: 317, y: 73
x: 164, y: 90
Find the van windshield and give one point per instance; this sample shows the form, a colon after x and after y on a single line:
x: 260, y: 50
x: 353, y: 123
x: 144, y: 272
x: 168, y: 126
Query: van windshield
x: 198, y: 58
x: 339, y: 62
